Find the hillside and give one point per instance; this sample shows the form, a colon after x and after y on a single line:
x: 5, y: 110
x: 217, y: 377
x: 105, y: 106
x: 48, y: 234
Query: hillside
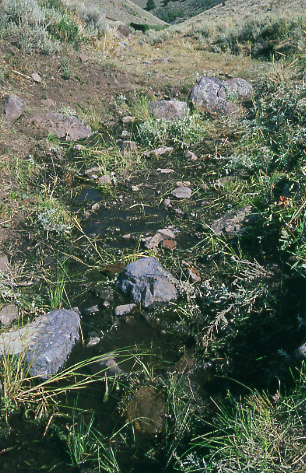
x: 178, y: 11
x: 235, y: 12
x: 123, y: 11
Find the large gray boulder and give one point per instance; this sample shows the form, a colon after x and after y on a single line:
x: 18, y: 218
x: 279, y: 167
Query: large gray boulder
x: 214, y: 96
x: 13, y: 108
x: 45, y: 343
x: 147, y: 283
x: 69, y: 127
x: 239, y: 89
x: 169, y: 109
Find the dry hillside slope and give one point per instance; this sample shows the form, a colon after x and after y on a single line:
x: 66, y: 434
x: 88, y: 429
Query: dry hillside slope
x: 123, y: 11
x: 234, y: 11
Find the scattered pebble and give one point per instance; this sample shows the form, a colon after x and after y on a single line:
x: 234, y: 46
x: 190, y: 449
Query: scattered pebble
x: 127, y: 120
x: 8, y: 314
x: 105, y: 180
x: 95, y: 207
x: 169, y: 244
x: 167, y: 204
x: 190, y: 155
x: 93, y: 341
x: 36, y: 77
x: 194, y: 275
x: 124, y: 309
x: 91, y: 310
x: 165, y: 171
x: 83, y: 57
x: 182, y: 192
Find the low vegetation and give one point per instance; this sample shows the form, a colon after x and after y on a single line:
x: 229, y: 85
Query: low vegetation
x: 232, y: 387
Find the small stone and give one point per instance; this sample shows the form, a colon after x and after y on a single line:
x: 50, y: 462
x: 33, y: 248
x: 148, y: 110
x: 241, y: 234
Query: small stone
x: 4, y: 264
x: 194, y: 275
x: 125, y: 134
x: 104, y: 293
x: 127, y: 236
x: 124, y: 30
x: 162, y: 151
x: 127, y: 120
x: 182, y: 192
x: 13, y: 108
x: 129, y: 146
x: 36, y: 77
x: 93, y: 341
x: 167, y: 204
x: 169, y: 245
x: 190, y: 155
x: 95, y: 207
x: 166, y: 233
x: 153, y: 242
x: 68, y: 127
x: 83, y: 57
x: 179, y: 212
x: 169, y: 109
x: 147, y: 283
x: 183, y: 183
x: 91, y: 310
x: 165, y: 171
x: 124, y: 309
x: 105, y: 180
x: 8, y: 314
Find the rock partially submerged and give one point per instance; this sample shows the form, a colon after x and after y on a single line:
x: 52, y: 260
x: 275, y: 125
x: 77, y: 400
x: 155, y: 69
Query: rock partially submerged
x: 147, y: 410
x: 69, y: 127
x: 147, y: 283
x: 45, y: 343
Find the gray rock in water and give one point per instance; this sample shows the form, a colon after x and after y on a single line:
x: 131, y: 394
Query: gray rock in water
x: 169, y: 109
x: 45, y: 343
x: 69, y: 127
x: 124, y: 309
x: 147, y: 283
x: 13, y: 108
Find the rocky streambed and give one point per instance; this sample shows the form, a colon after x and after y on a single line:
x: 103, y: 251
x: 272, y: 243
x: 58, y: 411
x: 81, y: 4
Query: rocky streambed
x: 154, y: 305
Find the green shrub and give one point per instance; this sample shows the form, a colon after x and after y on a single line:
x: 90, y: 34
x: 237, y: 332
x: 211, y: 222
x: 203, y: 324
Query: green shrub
x: 262, y: 38
x: 38, y: 26
x: 154, y: 132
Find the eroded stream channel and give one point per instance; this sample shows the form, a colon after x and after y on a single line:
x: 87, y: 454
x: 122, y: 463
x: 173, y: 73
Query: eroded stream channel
x: 164, y: 368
